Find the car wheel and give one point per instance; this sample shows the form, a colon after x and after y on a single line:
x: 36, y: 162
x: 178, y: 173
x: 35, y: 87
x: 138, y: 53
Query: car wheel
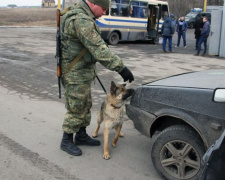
x: 191, y: 25
x: 177, y: 152
x: 113, y: 38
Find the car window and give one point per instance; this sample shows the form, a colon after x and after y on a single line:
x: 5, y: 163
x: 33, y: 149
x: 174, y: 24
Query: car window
x: 191, y: 15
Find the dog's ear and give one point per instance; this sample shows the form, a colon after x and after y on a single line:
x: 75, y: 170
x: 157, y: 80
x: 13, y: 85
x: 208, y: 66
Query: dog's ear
x: 113, y: 88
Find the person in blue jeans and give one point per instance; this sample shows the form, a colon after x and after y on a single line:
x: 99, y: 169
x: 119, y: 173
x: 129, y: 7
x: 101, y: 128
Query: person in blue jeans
x: 119, y: 7
x: 168, y: 28
x: 181, y: 31
x: 204, y: 36
x: 136, y: 9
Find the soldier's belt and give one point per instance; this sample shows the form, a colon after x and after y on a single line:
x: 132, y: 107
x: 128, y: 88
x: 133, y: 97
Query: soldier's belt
x: 82, y: 53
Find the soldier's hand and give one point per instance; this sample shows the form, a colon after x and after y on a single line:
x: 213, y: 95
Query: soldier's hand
x: 126, y: 75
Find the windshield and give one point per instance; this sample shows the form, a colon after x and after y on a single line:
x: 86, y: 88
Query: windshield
x: 191, y: 15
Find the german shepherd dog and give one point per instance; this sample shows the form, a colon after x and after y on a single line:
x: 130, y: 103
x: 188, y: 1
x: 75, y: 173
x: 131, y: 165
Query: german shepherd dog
x: 111, y: 113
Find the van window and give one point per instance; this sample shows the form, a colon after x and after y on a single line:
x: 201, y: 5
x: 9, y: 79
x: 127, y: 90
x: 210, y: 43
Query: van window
x: 120, y: 8
x: 139, y: 9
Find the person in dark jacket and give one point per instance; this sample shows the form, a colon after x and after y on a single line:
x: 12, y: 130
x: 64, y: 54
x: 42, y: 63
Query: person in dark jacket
x: 181, y: 31
x: 168, y: 29
x: 204, y: 36
x: 198, y: 27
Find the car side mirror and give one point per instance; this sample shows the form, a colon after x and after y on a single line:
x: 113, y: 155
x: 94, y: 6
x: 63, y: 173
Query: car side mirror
x: 219, y: 95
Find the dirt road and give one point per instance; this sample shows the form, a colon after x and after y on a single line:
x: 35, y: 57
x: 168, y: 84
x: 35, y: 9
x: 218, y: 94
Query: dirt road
x: 27, y: 58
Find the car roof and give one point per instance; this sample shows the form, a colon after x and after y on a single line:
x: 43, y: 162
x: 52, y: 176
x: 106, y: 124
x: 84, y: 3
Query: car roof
x: 210, y: 79
x: 195, y: 12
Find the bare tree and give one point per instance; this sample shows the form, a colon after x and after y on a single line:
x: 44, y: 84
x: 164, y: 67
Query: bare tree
x: 182, y: 7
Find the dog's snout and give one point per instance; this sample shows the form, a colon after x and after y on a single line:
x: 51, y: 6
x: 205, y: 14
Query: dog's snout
x: 129, y: 93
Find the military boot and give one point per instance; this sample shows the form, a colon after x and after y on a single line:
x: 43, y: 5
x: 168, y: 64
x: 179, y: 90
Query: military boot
x: 82, y: 138
x: 68, y: 145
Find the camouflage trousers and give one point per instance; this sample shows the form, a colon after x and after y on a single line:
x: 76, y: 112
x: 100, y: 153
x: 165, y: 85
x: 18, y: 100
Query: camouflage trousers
x: 78, y: 105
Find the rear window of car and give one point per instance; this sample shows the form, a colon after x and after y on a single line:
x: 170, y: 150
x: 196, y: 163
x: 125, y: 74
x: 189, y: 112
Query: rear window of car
x: 208, y: 15
x: 205, y: 14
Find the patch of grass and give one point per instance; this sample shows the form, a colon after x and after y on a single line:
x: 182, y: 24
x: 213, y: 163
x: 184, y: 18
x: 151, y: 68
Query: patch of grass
x: 28, y: 17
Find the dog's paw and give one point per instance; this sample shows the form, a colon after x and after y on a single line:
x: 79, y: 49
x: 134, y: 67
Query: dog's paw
x: 121, y: 134
x: 113, y: 144
x: 95, y: 134
x: 106, y: 156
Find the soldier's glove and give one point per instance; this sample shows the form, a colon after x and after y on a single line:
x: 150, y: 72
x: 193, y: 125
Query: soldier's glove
x: 126, y: 75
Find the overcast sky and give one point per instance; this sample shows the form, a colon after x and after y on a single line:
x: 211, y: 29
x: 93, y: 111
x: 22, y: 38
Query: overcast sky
x: 22, y: 2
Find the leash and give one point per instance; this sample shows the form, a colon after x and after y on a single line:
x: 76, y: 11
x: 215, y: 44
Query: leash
x: 101, y: 84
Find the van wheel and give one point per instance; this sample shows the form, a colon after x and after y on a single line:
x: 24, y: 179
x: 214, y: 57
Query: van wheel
x: 155, y: 40
x: 114, y: 38
x: 177, y: 153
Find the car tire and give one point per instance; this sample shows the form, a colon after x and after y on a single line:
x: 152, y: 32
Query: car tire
x: 177, y: 153
x: 113, y: 38
x: 191, y: 25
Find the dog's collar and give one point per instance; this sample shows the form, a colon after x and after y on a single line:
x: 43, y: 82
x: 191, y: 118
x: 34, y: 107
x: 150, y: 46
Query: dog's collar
x: 115, y: 106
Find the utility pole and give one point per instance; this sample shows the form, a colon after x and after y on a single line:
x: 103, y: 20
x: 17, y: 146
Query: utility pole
x: 205, y: 4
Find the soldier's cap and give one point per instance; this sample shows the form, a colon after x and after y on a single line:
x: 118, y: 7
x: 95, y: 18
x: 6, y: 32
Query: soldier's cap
x: 102, y: 3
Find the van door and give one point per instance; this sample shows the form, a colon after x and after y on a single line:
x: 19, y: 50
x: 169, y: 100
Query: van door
x: 153, y: 22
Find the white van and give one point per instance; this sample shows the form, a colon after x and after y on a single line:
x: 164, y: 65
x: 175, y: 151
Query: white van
x: 130, y: 20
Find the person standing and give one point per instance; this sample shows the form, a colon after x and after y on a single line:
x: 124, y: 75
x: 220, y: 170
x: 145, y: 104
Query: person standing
x: 204, y: 36
x: 119, y: 7
x: 80, y: 33
x: 168, y: 29
x: 173, y: 19
x: 198, y: 27
x: 181, y: 31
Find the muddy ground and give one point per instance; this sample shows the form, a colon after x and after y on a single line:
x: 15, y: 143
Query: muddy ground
x: 28, y: 64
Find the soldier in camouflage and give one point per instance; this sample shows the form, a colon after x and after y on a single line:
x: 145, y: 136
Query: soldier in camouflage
x: 79, y: 32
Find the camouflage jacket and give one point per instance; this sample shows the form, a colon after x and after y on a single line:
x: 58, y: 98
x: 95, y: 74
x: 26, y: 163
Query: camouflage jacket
x: 78, y: 31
